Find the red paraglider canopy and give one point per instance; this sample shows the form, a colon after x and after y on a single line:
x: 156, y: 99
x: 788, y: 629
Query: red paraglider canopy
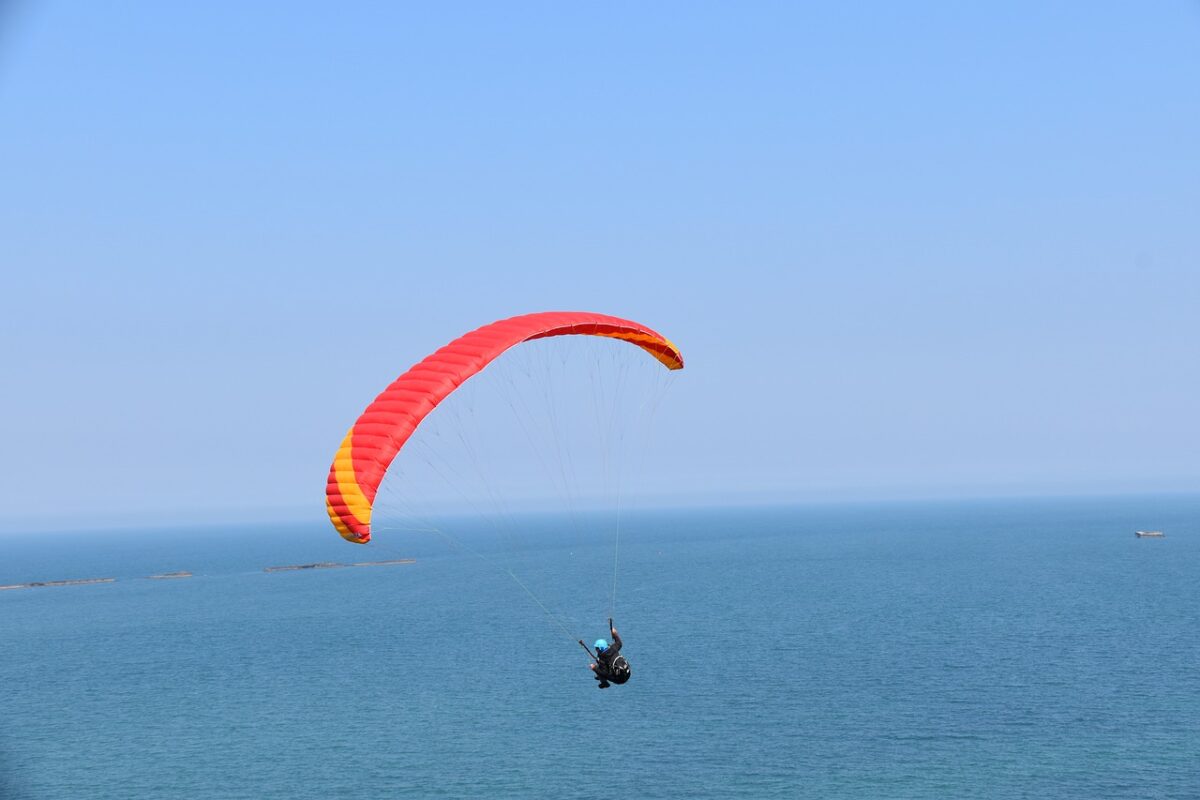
x: 387, y: 423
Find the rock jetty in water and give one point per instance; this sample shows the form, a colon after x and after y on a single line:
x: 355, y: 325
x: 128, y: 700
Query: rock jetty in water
x: 36, y: 584
x: 335, y: 565
x: 293, y: 567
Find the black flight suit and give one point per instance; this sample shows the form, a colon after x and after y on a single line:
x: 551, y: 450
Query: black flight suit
x: 605, y: 671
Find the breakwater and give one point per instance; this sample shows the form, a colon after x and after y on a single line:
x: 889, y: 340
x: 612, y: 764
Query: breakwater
x: 39, y: 584
x: 337, y: 565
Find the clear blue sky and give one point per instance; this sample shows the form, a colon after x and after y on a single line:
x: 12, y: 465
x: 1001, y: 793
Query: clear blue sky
x: 908, y: 249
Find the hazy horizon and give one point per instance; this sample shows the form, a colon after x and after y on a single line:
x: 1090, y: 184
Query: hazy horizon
x: 176, y: 519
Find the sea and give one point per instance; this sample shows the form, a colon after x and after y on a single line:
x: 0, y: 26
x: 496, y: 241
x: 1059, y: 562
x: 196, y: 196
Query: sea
x: 1008, y: 648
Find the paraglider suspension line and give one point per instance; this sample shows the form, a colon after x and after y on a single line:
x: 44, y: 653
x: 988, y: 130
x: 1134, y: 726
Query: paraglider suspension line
x: 459, y: 545
x: 541, y: 605
x: 616, y: 551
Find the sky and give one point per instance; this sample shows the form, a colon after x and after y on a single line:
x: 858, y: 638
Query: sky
x: 922, y: 249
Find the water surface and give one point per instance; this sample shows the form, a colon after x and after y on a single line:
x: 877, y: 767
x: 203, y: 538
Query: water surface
x: 1012, y: 649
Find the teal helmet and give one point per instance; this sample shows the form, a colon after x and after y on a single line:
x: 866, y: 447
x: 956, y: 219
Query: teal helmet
x: 601, y: 645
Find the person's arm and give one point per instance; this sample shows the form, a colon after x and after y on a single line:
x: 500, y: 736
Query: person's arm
x: 615, y: 647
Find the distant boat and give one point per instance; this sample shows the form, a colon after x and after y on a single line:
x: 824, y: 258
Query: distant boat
x: 1149, y: 534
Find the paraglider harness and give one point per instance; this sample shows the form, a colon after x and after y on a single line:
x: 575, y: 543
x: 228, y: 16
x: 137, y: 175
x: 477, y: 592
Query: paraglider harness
x: 617, y: 671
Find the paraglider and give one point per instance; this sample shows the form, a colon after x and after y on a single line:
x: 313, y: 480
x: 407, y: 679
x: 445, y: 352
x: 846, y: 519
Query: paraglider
x: 383, y: 429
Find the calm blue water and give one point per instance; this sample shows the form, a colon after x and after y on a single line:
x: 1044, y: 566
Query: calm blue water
x: 1019, y: 649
